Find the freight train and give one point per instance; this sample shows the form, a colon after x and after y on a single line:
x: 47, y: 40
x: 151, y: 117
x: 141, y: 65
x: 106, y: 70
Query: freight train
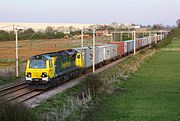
x: 51, y: 69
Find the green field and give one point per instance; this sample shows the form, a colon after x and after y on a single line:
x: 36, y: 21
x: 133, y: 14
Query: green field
x: 150, y: 94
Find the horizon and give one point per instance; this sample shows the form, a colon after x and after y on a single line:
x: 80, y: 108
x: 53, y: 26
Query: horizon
x: 14, y: 23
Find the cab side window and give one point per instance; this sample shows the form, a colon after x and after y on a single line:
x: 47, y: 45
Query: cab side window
x: 78, y: 56
x: 50, y: 64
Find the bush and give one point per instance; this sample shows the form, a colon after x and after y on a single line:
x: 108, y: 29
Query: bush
x: 94, y: 83
x: 163, y: 43
x: 4, y: 35
x: 16, y: 112
x: 153, y: 45
x: 141, y: 51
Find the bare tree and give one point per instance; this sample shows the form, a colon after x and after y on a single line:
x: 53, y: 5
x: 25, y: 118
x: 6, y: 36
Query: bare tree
x: 114, y: 25
x: 157, y: 27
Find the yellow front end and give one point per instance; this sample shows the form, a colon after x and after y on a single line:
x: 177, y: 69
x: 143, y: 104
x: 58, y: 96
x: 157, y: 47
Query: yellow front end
x: 40, y: 74
x: 79, y: 60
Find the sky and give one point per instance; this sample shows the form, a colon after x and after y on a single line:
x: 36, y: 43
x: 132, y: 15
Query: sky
x: 91, y: 11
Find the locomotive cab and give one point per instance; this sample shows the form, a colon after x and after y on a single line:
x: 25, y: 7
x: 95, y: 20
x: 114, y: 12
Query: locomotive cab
x: 39, y: 69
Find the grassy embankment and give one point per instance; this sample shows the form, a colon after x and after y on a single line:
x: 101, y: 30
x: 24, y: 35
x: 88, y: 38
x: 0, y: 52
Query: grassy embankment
x: 152, y: 93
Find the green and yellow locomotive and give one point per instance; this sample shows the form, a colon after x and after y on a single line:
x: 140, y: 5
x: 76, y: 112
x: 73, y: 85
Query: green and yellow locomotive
x: 50, y: 69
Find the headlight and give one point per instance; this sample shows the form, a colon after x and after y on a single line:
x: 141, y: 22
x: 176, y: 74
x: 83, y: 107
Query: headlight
x: 28, y: 74
x: 44, y: 74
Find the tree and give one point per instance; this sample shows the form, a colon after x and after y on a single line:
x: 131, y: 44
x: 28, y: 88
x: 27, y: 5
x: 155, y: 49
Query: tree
x: 49, y: 30
x: 115, y: 25
x: 4, y: 35
x: 157, y: 27
x: 148, y: 26
x: 71, y: 28
x: 59, y: 35
x: 29, y: 31
x: 178, y: 23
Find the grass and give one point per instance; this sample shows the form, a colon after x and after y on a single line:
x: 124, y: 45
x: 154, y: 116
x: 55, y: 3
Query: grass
x: 58, y: 100
x: 4, y: 81
x: 151, y: 94
x: 16, y: 112
x: 7, y: 60
x: 175, y: 44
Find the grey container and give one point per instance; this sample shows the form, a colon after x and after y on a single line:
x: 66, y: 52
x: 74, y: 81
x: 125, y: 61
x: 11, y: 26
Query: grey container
x: 149, y: 40
x: 100, y: 53
x: 114, y: 50
x: 144, y: 41
x: 107, y: 52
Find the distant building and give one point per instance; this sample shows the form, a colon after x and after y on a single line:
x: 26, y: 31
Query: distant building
x: 125, y: 26
x: 136, y: 27
x: 103, y: 32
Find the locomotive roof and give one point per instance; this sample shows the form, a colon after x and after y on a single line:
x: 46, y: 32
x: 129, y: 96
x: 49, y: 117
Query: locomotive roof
x: 48, y: 56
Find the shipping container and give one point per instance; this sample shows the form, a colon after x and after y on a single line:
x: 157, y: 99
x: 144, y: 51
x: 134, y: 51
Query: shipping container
x: 113, y: 50
x: 149, y: 40
x: 130, y: 45
x: 144, y: 42
x: 100, y: 54
x: 110, y: 51
x: 125, y: 48
x: 152, y: 38
x: 158, y: 38
x: 138, y: 43
x: 120, y: 48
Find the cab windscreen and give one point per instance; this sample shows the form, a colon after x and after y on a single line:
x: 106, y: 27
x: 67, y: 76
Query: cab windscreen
x: 37, y: 63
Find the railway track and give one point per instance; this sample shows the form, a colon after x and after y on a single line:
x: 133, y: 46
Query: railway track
x: 12, y: 88
x: 18, y: 93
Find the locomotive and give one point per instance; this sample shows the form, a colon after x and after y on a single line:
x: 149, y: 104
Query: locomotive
x: 49, y: 69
